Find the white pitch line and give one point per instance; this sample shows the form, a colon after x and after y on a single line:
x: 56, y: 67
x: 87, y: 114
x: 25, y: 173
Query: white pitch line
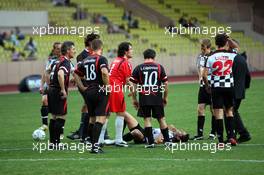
x: 136, y: 159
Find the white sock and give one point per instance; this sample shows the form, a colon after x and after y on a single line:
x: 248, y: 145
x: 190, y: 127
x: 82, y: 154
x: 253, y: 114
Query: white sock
x: 119, y: 124
x: 102, y: 134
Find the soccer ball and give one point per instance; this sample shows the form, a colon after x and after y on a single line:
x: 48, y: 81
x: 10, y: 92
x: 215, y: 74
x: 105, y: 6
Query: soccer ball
x: 38, y: 134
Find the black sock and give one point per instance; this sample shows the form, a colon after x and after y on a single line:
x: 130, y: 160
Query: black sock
x: 52, y: 130
x: 90, y: 131
x: 62, y: 127
x: 58, y: 125
x: 219, y: 130
x: 96, y: 132
x: 200, y: 125
x: 44, y: 114
x: 124, y: 127
x: 128, y: 137
x: 230, y: 127
x: 137, y: 127
x: 165, y: 133
x: 149, y: 135
x: 83, y: 123
x: 213, y: 130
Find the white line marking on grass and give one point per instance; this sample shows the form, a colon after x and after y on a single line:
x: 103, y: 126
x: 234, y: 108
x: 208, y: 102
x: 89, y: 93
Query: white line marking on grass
x: 137, y: 159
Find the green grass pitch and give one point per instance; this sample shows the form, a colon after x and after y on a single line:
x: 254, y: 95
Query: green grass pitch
x: 20, y: 116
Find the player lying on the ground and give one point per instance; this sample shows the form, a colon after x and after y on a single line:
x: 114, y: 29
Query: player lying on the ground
x: 137, y: 135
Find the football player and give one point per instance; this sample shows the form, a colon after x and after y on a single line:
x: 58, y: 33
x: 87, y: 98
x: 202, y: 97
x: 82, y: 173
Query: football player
x: 54, y: 56
x: 221, y: 86
x: 153, y: 94
x: 94, y: 69
x: 204, y: 98
x: 58, y: 92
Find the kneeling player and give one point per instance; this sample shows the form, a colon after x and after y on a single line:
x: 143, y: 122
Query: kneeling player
x: 152, y: 80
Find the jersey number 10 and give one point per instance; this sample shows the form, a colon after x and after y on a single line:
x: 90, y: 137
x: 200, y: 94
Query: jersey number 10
x: 150, y: 79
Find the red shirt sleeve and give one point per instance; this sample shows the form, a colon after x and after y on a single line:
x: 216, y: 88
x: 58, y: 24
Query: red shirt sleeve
x: 127, y: 69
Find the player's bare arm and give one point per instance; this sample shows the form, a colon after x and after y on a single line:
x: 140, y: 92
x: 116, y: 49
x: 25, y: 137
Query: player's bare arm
x: 78, y: 81
x: 61, y: 82
x: 105, y: 76
x: 205, y: 79
x: 166, y: 92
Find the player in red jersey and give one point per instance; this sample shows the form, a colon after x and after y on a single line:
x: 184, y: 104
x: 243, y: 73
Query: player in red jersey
x: 120, y: 72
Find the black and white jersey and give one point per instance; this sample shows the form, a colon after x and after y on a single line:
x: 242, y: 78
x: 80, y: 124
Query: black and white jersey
x: 201, y: 63
x: 220, y: 62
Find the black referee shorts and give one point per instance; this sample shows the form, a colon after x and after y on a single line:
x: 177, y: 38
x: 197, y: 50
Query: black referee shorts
x: 222, y: 97
x: 97, y: 103
x: 57, y: 106
x: 204, y: 97
x: 151, y: 111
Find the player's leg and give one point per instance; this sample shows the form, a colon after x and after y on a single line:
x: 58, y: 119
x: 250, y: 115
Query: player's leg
x: 100, y: 120
x: 200, y: 121
x: 158, y: 113
x: 119, y: 126
x: 136, y: 132
x: 52, y: 129
x: 218, y: 103
x: 59, y: 124
x: 102, y: 134
x: 239, y: 125
x: 228, y: 103
x: 219, y: 115
x: 212, y: 134
x: 148, y: 132
x: 44, y: 112
x: 201, y: 113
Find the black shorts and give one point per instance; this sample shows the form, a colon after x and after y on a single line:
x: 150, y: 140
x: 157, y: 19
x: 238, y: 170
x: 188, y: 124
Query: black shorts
x: 204, y: 97
x: 151, y: 111
x: 57, y: 106
x: 222, y: 97
x: 97, y: 103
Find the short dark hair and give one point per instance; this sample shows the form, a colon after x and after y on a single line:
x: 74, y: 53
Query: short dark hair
x: 206, y: 43
x: 122, y: 48
x: 96, y: 44
x: 149, y: 53
x: 221, y: 39
x: 66, y: 46
x: 55, y: 43
x: 89, y: 38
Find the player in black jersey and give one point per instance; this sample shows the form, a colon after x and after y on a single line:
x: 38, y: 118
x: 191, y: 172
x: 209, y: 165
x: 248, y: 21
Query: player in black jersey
x: 204, y: 98
x: 58, y: 91
x: 78, y: 134
x: 151, y: 81
x: 94, y: 69
x: 55, y: 54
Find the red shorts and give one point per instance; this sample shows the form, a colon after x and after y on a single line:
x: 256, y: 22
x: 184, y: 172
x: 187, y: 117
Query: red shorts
x: 117, y: 102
